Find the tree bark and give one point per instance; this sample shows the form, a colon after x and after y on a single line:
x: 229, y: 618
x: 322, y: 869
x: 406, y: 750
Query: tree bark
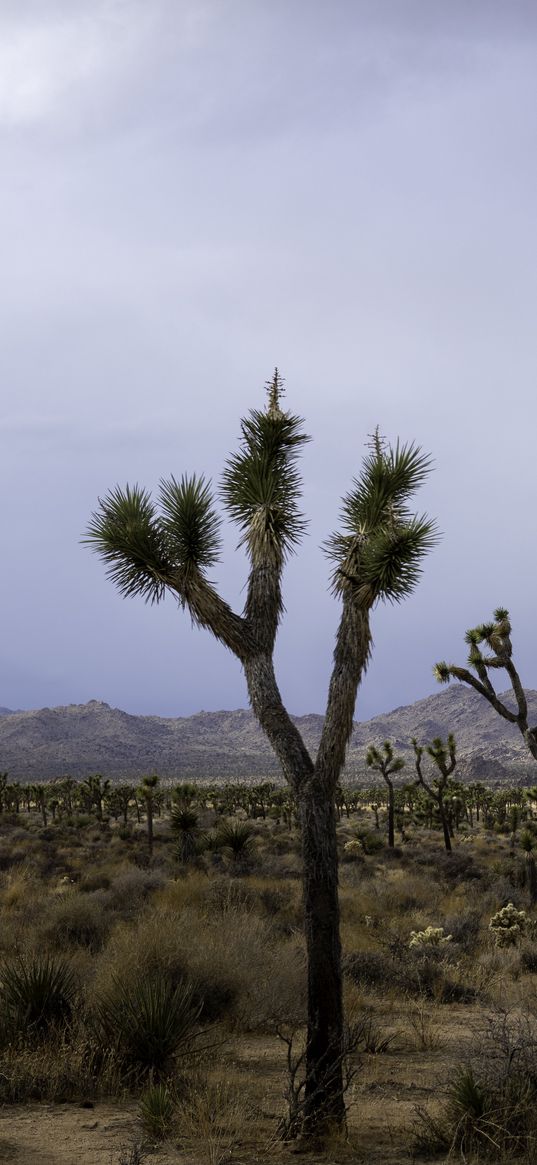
x: 391, y: 815
x: 445, y: 826
x: 324, y: 1054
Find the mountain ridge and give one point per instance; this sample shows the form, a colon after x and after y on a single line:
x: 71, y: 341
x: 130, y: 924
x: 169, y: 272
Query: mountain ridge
x: 77, y: 739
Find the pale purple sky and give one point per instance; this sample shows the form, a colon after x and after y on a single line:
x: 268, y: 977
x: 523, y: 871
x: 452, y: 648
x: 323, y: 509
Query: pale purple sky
x: 196, y: 190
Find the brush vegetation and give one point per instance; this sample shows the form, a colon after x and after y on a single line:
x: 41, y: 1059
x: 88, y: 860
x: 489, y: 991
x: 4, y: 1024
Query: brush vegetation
x: 166, y: 974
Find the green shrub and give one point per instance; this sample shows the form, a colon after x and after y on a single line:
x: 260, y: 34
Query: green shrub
x: 77, y: 920
x: 147, y: 1021
x: 157, y: 1111
x: 37, y: 992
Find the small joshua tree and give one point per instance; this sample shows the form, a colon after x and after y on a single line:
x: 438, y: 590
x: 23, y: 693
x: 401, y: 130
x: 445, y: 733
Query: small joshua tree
x: 445, y: 759
x: 386, y: 763
x: 152, y: 550
x: 147, y: 791
x: 496, y: 637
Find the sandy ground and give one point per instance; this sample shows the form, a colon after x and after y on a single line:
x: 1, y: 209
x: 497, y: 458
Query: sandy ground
x: 382, y: 1111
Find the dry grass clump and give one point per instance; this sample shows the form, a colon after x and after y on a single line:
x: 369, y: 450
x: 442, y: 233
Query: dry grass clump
x: 491, y: 1108
x: 212, y: 1121
x: 76, y: 920
x: 238, y: 968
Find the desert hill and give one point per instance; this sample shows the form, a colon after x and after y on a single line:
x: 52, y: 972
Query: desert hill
x: 84, y: 738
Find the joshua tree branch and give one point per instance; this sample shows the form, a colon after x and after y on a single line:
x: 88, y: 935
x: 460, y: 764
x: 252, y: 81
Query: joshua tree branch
x: 209, y: 610
x: 466, y: 677
x: 275, y: 720
x: 351, y: 655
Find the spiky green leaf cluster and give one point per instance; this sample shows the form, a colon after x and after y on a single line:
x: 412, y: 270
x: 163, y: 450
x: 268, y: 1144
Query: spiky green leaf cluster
x: 380, y: 551
x: 146, y: 550
x: 125, y: 532
x: 261, y: 484
x: 495, y: 634
x: 384, y: 763
x: 190, y: 522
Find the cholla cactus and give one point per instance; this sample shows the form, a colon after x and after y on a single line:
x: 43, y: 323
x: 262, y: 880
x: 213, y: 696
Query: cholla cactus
x: 353, y: 847
x: 508, y: 925
x: 432, y: 936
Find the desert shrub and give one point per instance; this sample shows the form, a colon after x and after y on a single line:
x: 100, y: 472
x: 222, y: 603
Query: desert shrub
x: 146, y: 1022
x: 508, y: 925
x: 92, y: 880
x: 453, y: 868
x: 491, y: 1111
x: 244, y: 952
x: 131, y: 888
x: 505, y: 891
x: 528, y: 958
x: 421, y: 972
x: 213, y: 1120
x: 11, y: 856
x: 157, y: 1109
x: 57, y: 1068
x: 464, y: 928
x: 432, y: 936
x: 372, y: 969
x: 36, y: 992
x: 370, y: 841
x: 77, y: 920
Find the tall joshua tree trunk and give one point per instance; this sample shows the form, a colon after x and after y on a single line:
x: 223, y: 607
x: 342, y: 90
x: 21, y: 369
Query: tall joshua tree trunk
x: 377, y: 556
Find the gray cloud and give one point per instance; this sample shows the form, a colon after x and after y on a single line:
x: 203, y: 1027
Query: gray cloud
x: 195, y: 192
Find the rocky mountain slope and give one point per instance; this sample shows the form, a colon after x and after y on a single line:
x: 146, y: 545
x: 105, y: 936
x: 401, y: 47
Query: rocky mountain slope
x: 86, y: 738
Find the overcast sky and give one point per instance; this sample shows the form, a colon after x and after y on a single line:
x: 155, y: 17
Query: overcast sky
x: 196, y: 190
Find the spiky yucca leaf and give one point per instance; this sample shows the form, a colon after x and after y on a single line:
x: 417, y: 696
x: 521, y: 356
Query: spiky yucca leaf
x: 390, y: 565
x: 379, y: 553
x: 126, y: 533
x: 190, y: 522
x: 261, y: 484
x: 388, y: 479
x: 37, y: 991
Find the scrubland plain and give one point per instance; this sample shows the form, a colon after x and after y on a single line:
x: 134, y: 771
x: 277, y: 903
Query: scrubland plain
x: 153, y: 987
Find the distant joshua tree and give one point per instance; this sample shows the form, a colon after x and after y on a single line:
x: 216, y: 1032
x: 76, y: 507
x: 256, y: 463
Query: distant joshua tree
x: 376, y: 555
x: 445, y: 759
x: 497, y: 638
x: 386, y: 763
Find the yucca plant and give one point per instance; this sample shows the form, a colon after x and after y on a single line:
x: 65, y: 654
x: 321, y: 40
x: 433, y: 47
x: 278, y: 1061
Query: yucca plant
x: 185, y: 823
x: 153, y: 548
x: 37, y: 992
x: 147, y: 1021
x: 236, y: 839
x: 157, y: 1109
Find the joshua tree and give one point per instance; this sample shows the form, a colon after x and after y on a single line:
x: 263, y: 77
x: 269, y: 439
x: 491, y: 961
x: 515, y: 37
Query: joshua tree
x: 3, y: 788
x: 497, y: 639
x: 387, y: 764
x: 445, y: 759
x: 95, y: 790
x: 376, y: 555
x: 148, y: 792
